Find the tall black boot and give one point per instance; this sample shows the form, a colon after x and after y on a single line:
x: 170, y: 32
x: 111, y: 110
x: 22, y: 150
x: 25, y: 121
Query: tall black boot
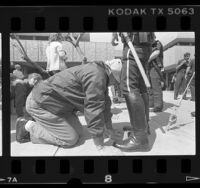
x: 145, y: 98
x: 138, y: 138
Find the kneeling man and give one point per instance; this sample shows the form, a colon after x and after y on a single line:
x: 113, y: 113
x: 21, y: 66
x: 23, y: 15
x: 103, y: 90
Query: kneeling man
x: 53, y: 104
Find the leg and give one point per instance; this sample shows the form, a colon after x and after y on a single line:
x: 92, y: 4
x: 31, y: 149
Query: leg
x: 177, y: 84
x: 184, y: 85
x: 51, y: 129
x: 131, y: 87
x: 151, y: 102
x: 157, y: 90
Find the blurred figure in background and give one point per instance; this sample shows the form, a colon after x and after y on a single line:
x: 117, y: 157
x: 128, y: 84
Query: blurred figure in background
x: 18, y: 72
x: 20, y: 89
x: 56, y: 55
x: 180, y: 75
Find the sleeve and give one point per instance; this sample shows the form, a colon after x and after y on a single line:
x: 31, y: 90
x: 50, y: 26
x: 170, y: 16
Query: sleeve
x: 107, y: 112
x: 190, y: 64
x: 95, y: 85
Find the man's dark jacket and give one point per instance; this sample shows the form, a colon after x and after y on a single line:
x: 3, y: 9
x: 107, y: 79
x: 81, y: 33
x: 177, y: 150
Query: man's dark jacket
x: 83, y: 88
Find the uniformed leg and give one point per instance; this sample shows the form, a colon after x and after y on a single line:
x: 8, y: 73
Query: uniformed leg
x: 157, y: 90
x: 52, y: 129
x: 131, y: 83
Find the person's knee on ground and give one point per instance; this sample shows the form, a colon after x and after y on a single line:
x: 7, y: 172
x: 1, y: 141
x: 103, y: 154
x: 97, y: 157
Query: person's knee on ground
x: 40, y: 135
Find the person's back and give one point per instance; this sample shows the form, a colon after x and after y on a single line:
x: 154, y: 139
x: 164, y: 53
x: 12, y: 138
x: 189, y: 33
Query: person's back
x: 67, y: 89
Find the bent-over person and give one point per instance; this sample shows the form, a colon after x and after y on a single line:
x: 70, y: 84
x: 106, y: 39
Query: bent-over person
x: 53, y: 104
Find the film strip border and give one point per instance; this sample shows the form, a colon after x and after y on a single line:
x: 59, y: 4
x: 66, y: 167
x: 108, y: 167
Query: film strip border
x: 100, y: 170
x: 135, y: 169
x: 42, y: 19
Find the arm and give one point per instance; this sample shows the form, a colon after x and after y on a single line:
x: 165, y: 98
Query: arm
x: 180, y: 63
x: 95, y: 84
x: 188, y: 70
x: 107, y: 112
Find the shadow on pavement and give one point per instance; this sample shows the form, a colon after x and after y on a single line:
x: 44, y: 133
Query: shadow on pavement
x: 116, y: 110
x: 167, y: 105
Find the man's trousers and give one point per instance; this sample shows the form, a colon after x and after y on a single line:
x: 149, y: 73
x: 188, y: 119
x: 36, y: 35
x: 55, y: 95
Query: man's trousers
x: 49, y: 128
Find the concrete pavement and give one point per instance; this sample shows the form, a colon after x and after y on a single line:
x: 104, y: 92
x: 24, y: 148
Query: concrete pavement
x: 180, y: 140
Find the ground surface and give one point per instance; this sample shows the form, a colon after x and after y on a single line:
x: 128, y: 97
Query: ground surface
x: 179, y: 140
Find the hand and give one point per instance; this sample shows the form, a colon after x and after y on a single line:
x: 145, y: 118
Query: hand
x: 98, y: 142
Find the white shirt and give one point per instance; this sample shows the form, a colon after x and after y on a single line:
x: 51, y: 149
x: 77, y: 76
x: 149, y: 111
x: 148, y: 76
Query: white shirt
x: 54, y: 62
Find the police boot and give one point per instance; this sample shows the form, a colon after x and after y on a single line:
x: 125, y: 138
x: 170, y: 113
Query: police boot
x: 138, y: 137
x: 145, y: 97
x: 135, y: 142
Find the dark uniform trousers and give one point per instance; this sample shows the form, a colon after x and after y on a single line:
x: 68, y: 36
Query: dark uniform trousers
x: 156, y: 90
x: 180, y: 83
x: 134, y: 89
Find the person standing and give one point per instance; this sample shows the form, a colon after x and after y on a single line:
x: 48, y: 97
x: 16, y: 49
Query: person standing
x: 180, y: 75
x: 56, y: 55
x: 18, y: 72
x: 20, y: 89
x: 134, y: 88
x: 155, y: 69
x: 189, y: 72
x: 173, y: 80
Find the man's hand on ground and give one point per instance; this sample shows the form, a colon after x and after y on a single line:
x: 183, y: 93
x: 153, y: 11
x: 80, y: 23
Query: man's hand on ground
x: 98, y: 142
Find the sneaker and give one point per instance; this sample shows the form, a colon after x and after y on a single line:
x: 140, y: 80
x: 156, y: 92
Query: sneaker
x: 22, y: 135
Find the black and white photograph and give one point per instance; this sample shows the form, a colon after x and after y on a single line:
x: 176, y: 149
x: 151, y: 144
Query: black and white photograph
x: 102, y: 94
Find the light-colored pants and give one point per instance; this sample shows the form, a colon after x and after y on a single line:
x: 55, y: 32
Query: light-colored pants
x: 49, y: 128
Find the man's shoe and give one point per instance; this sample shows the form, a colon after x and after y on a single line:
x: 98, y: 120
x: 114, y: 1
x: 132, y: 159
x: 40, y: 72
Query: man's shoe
x: 22, y: 135
x: 134, y: 144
